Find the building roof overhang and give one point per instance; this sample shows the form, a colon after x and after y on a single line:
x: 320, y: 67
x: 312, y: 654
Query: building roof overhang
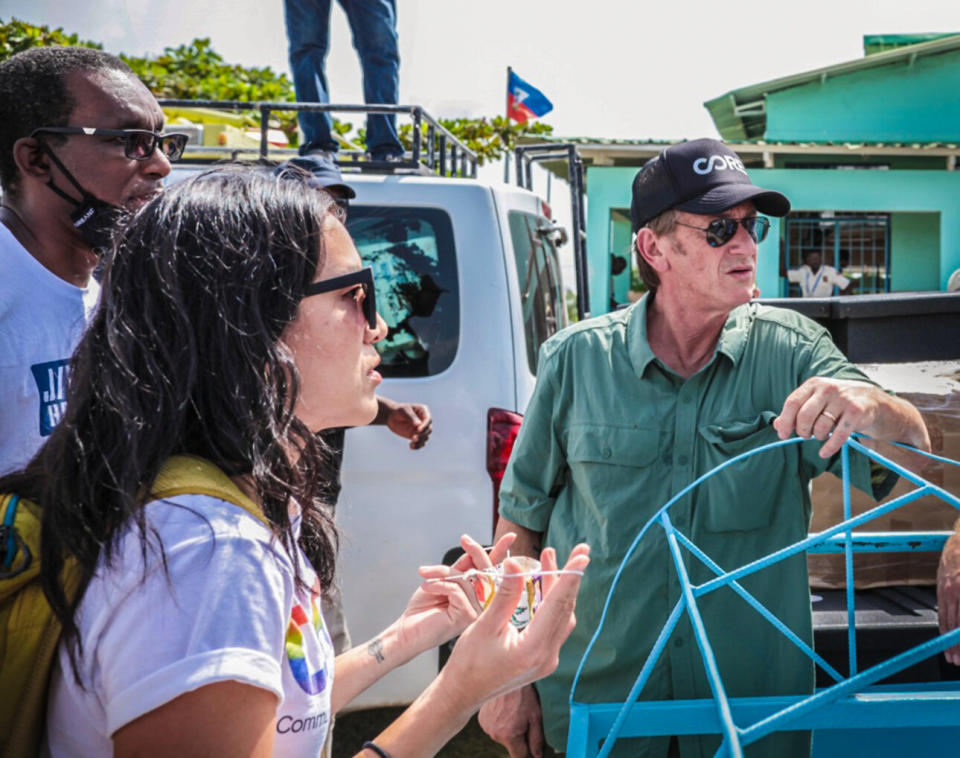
x: 741, y: 113
x: 755, y: 153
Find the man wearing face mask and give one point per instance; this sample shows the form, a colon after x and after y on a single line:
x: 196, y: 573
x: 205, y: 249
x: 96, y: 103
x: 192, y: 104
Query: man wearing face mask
x: 80, y: 145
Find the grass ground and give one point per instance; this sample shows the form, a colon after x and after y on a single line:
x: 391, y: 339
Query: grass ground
x: 353, y: 729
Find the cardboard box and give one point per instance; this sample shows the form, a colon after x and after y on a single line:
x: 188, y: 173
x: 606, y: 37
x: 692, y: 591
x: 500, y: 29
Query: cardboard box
x: 933, y: 387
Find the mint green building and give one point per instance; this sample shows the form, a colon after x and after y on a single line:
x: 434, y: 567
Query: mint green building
x: 866, y: 150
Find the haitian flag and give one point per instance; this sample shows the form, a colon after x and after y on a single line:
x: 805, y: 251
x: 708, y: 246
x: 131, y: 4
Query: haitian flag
x: 524, y: 101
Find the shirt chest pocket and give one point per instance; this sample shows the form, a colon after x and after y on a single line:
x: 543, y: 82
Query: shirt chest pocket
x: 611, y: 461
x: 744, y: 496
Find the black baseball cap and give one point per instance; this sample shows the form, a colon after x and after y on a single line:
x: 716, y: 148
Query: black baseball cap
x: 324, y: 174
x: 701, y: 176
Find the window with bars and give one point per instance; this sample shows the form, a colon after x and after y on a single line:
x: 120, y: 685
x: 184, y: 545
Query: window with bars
x: 856, y: 244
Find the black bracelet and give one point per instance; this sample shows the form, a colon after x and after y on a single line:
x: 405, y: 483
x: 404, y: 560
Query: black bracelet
x: 376, y: 749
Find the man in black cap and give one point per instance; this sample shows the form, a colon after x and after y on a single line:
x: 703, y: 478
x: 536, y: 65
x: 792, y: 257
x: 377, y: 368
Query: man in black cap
x: 632, y: 407
x: 322, y: 173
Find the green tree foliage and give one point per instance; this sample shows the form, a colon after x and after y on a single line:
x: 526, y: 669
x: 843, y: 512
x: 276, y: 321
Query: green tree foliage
x: 187, y: 72
x: 489, y: 138
x: 197, y: 71
x: 17, y: 36
x: 193, y: 71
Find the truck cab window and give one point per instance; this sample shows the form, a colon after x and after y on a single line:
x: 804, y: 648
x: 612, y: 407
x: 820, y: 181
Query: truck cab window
x: 541, y: 289
x: 415, y: 268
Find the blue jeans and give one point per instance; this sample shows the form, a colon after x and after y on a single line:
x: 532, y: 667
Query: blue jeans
x: 374, y: 27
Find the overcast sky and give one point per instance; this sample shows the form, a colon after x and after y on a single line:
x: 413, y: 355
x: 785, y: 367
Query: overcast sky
x: 627, y: 69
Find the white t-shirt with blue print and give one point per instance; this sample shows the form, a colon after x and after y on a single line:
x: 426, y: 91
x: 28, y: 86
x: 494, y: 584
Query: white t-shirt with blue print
x: 230, y: 610
x: 42, y: 318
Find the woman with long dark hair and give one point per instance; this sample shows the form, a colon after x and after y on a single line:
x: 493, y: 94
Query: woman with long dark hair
x: 235, y: 323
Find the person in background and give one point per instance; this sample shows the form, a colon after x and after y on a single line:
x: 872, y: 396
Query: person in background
x: 373, y: 24
x: 410, y: 421
x: 81, y: 143
x: 632, y: 407
x: 818, y: 280
x: 237, y: 322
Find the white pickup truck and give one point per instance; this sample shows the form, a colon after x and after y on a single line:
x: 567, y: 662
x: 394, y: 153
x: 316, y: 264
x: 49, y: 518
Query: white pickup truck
x: 468, y: 281
x: 470, y: 355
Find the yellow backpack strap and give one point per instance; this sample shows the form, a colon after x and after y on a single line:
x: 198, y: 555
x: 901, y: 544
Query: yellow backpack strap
x: 11, y: 543
x: 19, y: 543
x: 190, y: 475
x: 29, y: 631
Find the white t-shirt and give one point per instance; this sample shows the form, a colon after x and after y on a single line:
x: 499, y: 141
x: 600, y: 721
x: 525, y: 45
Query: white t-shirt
x: 229, y: 611
x: 42, y: 318
x: 818, y: 284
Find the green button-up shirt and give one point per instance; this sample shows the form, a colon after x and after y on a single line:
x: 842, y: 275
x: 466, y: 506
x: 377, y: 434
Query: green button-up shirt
x: 610, y: 435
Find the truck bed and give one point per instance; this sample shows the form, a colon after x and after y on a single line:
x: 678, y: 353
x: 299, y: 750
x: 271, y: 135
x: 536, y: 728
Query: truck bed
x: 889, y: 620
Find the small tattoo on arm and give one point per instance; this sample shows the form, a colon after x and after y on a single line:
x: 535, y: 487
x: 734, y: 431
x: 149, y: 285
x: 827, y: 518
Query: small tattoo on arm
x: 375, y: 649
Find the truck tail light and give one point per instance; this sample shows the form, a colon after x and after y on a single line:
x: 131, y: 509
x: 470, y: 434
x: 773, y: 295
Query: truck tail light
x: 502, y: 428
x: 546, y: 209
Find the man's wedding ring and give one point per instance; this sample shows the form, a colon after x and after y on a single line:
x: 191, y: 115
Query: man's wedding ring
x: 829, y: 416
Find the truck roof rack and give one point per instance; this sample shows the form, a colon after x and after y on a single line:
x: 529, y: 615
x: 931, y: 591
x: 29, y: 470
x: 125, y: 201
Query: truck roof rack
x: 526, y: 156
x: 434, y: 150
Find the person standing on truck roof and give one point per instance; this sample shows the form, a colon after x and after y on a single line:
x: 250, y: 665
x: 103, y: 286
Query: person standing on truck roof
x: 631, y: 407
x: 373, y: 24
x: 80, y: 143
x: 410, y: 421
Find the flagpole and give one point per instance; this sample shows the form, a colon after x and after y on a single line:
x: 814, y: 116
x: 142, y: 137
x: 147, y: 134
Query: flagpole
x: 506, y: 153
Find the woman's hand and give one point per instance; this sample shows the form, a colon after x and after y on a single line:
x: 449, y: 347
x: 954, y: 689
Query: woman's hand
x: 440, y: 610
x: 492, y: 657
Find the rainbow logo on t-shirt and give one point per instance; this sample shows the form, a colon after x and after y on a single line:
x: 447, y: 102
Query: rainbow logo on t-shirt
x: 310, y: 682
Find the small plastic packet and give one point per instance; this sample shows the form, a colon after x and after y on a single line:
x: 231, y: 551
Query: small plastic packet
x: 486, y: 584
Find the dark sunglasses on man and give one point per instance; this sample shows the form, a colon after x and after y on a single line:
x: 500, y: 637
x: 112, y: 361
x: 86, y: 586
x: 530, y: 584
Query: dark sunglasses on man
x: 138, y: 144
x: 363, y: 277
x: 721, y: 230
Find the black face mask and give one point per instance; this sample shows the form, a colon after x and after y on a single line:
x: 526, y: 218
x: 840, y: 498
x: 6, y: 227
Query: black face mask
x: 95, y: 219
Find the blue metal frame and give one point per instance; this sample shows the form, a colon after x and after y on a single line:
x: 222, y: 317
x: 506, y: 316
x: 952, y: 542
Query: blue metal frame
x: 853, y: 702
